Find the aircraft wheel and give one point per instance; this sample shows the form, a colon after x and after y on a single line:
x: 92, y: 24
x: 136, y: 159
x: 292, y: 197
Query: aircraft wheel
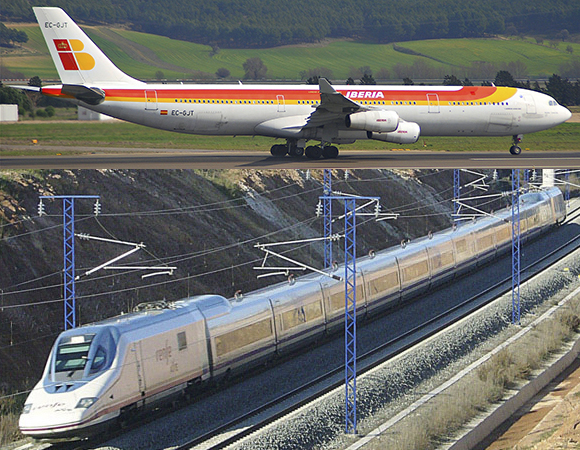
x: 313, y: 152
x: 515, y: 150
x: 278, y: 150
x: 296, y: 152
x: 330, y: 152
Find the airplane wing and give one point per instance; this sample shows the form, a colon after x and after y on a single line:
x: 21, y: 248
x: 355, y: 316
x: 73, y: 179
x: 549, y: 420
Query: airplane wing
x: 333, y: 106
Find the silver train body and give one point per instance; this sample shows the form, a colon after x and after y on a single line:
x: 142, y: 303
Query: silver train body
x: 99, y: 372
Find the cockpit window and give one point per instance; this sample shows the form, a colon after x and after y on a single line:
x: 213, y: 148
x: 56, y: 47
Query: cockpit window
x: 99, y: 360
x: 73, y: 353
x: 84, y: 356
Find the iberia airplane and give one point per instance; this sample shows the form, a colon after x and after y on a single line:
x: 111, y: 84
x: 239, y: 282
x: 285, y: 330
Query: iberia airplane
x: 297, y: 113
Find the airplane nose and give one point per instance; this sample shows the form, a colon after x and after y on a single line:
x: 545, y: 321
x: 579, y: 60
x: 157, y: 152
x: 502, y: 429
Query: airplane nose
x: 566, y: 113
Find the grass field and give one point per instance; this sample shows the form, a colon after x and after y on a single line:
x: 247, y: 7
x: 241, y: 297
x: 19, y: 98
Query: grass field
x: 565, y: 137
x: 541, y: 60
x: 141, y: 55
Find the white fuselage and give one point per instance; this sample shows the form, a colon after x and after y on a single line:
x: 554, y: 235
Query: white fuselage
x: 245, y: 110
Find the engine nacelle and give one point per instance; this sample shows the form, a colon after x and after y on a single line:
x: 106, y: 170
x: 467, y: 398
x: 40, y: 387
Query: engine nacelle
x: 406, y: 133
x: 380, y: 121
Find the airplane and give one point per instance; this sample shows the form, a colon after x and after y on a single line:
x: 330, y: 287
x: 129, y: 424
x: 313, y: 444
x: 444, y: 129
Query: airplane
x: 297, y: 113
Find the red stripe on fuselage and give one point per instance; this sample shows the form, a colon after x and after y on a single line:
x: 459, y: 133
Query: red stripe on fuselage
x: 464, y: 94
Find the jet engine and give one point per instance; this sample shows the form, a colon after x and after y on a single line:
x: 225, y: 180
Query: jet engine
x: 380, y: 121
x: 406, y: 133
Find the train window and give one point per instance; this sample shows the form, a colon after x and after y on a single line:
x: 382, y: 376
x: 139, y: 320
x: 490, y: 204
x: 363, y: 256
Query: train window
x: 417, y: 270
x: 443, y: 259
x: 72, y: 353
x: 181, y: 341
x: 384, y: 283
x: 337, y: 301
x: 461, y: 246
x: 303, y: 314
x: 485, y: 242
x: 233, y: 340
x: 504, y: 234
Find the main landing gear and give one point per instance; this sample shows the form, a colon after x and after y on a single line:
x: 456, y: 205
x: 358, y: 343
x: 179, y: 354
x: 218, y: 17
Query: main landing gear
x: 292, y: 149
x: 316, y: 151
x: 515, y: 149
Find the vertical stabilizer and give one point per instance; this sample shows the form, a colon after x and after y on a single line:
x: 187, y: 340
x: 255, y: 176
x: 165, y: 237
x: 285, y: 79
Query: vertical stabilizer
x: 77, y: 59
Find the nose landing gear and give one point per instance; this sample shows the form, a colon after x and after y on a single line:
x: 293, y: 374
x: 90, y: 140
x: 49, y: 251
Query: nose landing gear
x: 516, y: 149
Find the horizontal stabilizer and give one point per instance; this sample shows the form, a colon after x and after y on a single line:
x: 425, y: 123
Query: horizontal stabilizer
x: 89, y: 95
x: 26, y: 88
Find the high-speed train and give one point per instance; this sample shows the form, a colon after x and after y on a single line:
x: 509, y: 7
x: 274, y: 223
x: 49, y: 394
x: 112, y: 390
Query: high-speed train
x: 102, y: 372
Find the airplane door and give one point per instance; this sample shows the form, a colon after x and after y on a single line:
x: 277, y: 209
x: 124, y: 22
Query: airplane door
x: 281, y: 103
x: 530, y: 104
x: 151, y: 100
x: 433, y: 102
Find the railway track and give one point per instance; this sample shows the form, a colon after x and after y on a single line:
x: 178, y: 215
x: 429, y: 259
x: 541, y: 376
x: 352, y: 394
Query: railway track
x: 239, y: 428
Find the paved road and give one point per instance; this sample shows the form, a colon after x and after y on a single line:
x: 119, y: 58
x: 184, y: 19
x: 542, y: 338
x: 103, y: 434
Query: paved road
x: 96, y: 158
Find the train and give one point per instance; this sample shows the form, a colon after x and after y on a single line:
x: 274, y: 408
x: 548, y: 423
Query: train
x: 102, y: 373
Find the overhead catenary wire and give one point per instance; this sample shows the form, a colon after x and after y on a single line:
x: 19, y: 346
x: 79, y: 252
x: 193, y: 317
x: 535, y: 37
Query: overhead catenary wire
x: 152, y: 285
x: 184, y: 257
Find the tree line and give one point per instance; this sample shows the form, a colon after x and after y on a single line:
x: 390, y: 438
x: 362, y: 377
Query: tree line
x: 267, y: 23
x: 10, y: 36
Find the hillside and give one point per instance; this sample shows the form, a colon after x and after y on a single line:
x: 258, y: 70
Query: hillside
x: 267, y: 23
x: 142, y: 55
x: 204, y: 222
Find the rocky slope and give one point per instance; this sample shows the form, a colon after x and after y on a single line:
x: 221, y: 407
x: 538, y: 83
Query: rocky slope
x: 204, y: 222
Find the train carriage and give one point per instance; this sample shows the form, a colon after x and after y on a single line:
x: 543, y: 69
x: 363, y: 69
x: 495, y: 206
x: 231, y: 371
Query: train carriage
x: 464, y: 247
x: 414, y: 271
x: 299, y: 313
x: 382, y: 284
x: 244, y: 336
x: 441, y: 256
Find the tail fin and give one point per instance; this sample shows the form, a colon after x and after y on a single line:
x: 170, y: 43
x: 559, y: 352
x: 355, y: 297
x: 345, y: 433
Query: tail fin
x: 78, y: 60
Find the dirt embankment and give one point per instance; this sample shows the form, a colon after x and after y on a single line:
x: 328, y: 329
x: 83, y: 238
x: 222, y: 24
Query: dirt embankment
x: 204, y: 222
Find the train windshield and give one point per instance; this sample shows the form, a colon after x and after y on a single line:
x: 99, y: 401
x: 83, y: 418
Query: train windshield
x: 83, y: 356
x: 72, y: 353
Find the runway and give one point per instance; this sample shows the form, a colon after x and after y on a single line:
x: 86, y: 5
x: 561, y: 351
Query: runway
x: 108, y: 158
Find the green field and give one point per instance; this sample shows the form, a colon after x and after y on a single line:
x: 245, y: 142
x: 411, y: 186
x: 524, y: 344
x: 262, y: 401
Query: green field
x: 141, y: 55
x: 564, y: 137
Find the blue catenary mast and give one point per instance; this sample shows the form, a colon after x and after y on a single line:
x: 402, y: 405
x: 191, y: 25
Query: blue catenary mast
x: 516, y: 246
x: 456, y: 192
x: 350, y: 312
x: 350, y: 303
x: 68, y: 207
x: 327, y: 212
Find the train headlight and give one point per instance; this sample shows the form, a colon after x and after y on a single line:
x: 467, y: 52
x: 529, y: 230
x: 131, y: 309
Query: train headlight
x: 27, y: 408
x: 86, y: 402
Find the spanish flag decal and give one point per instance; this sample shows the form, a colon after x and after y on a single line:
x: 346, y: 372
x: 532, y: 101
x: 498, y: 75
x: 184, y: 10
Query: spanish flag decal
x: 163, y: 112
x: 72, y: 56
